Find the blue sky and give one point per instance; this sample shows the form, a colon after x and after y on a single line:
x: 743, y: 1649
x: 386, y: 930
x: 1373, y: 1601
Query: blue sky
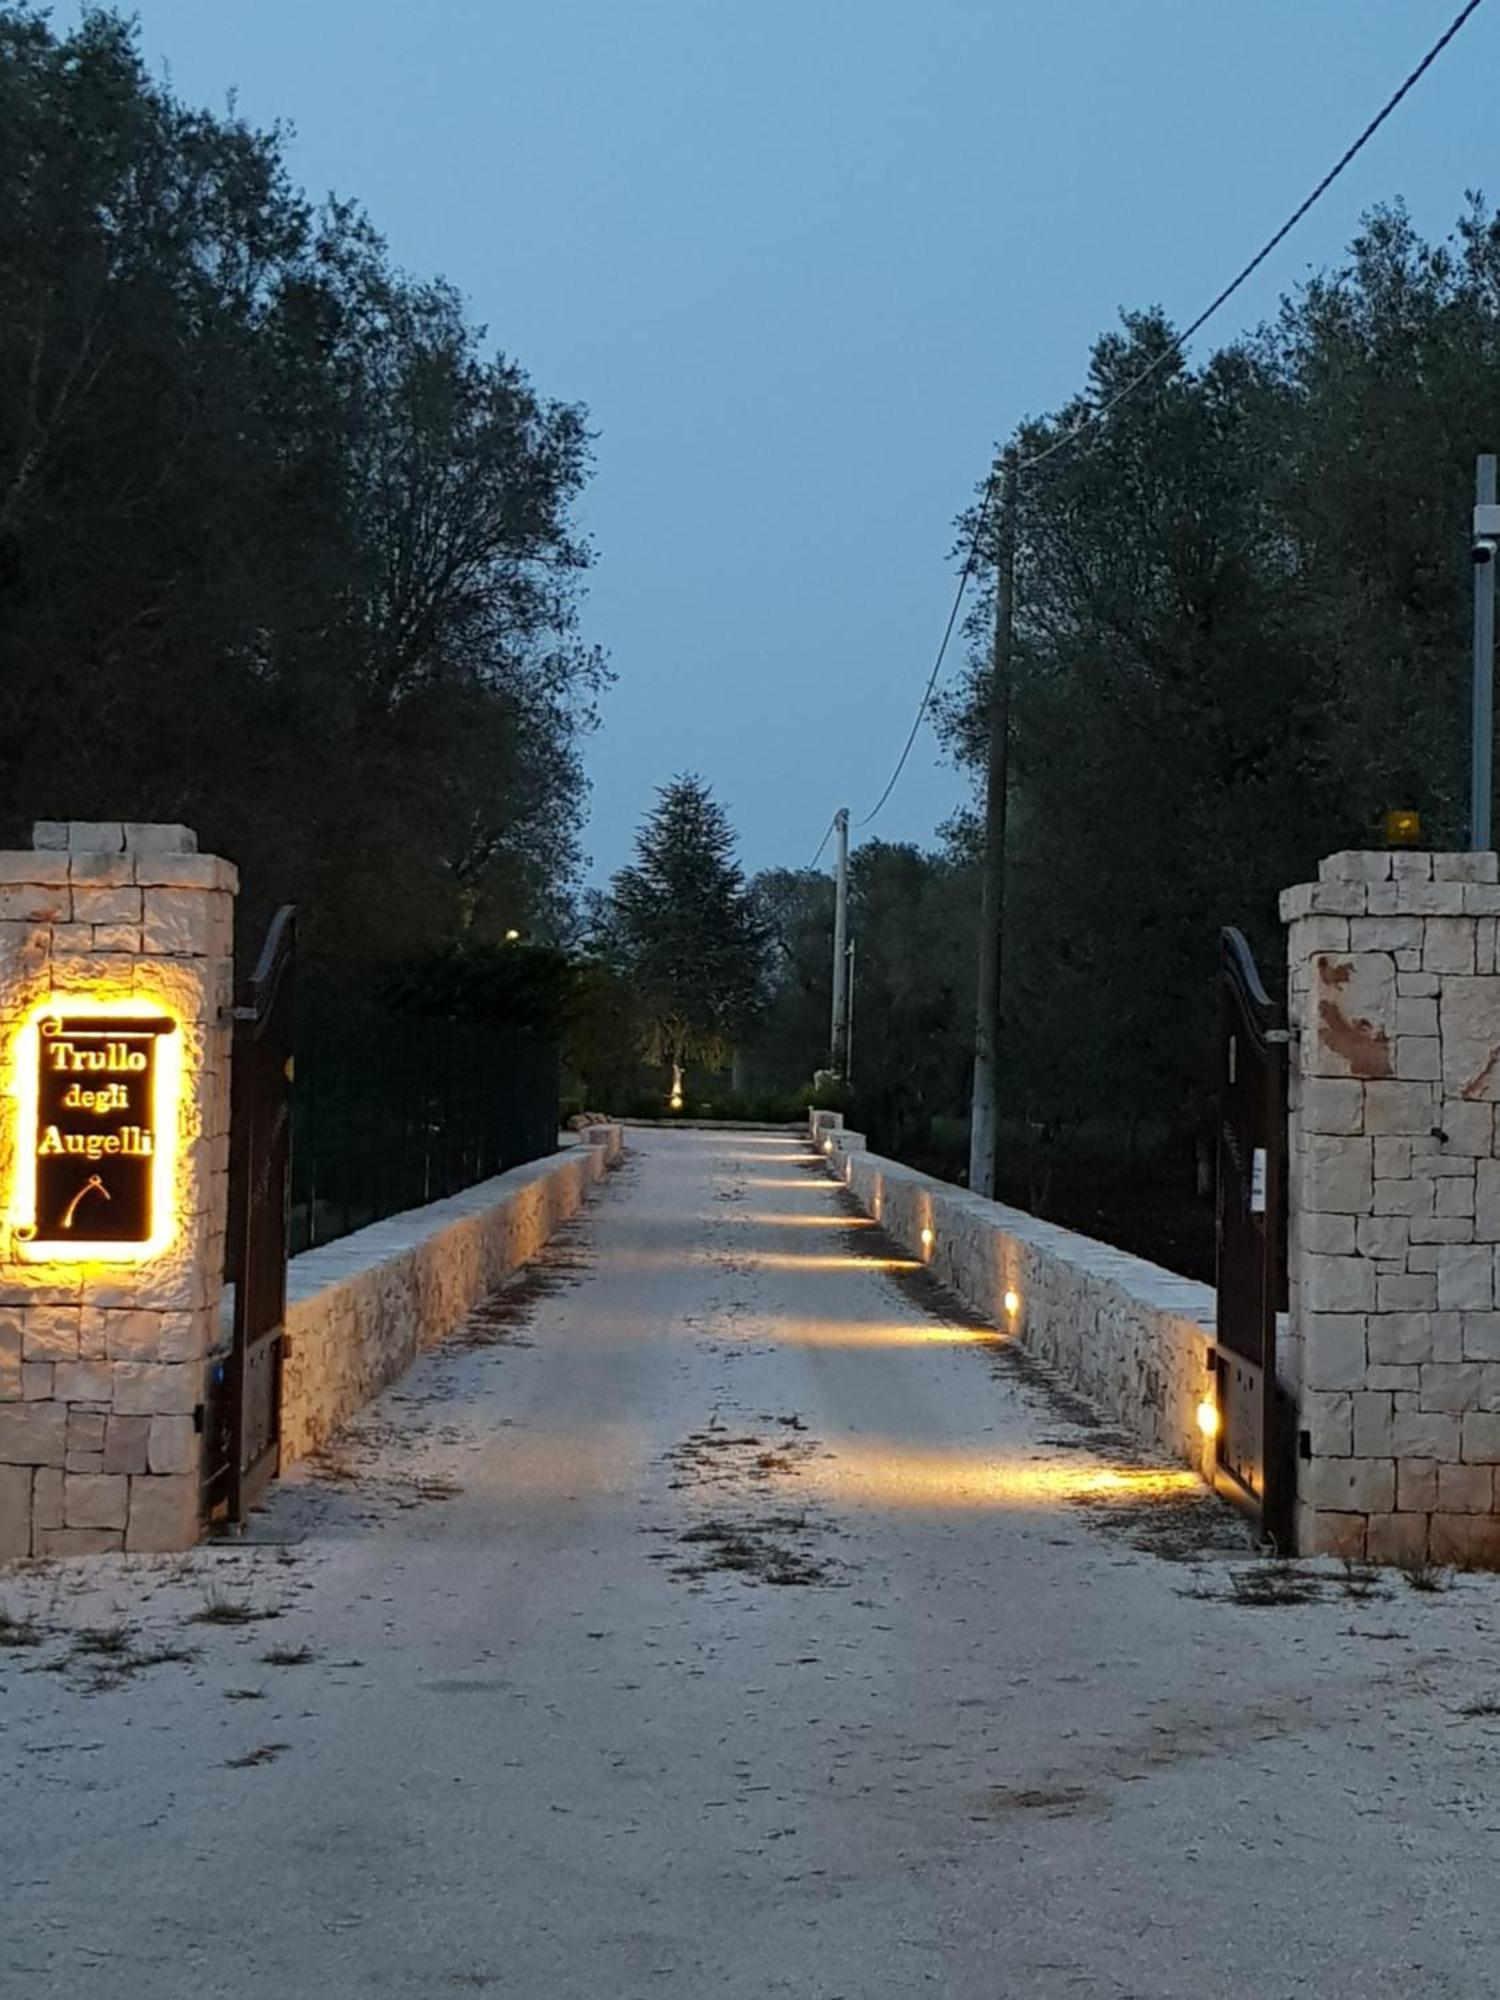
x: 805, y: 261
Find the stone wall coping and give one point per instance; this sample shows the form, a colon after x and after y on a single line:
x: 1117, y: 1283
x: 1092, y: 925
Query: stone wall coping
x: 366, y: 1249
x: 1151, y: 1285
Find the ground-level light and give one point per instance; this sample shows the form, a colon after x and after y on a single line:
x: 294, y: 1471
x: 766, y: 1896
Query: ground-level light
x: 927, y: 1239
x: 1208, y: 1417
x: 1012, y: 1303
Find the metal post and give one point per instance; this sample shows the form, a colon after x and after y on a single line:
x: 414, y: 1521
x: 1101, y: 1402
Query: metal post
x: 1481, y: 781
x: 840, y: 1035
x: 984, y: 1127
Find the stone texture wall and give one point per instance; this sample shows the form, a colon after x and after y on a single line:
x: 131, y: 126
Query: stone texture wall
x: 1393, y: 1345
x: 1132, y: 1337
x: 102, y: 1366
x: 361, y: 1309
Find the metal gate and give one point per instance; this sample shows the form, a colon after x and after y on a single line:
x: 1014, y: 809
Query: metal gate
x: 259, y: 1193
x: 1251, y: 1440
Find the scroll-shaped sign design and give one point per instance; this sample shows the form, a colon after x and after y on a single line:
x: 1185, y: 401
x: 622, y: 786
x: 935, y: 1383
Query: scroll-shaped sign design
x: 98, y: 1086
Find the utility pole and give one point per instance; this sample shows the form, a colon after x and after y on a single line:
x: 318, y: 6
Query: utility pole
x: 839, y: 1038
x: 849, y: 1022
x: 984, y: 1125
x: 1482, y: 727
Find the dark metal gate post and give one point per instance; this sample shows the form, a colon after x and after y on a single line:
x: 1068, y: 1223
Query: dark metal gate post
x: 260, y: 1183
x: 1251, y: 1233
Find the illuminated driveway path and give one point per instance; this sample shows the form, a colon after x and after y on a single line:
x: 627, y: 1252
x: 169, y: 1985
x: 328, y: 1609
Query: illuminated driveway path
x: 724, y: 1622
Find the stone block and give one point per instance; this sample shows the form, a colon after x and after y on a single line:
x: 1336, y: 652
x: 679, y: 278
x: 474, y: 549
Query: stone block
x: 1481, y: 1336
x: 1336, y: 1175
x: 33, y: 1433
x: 1330, y: 1534
x: 1401, y: 1339
x: 1466, y: 1489
x: 85, y: 1430
x: 1481, y: 1437
x: 1337, y: 1284
x: 1484, y: 944
x: 49, y: 1333
x: 76, y: 1541
x: 1428, y: 1231
x: 15, y: 1511
x: 1416, y: 1017
x: 94, y: 1500
x: 1334, y: 1105
x: 1467, y: 1540
x: 1465, y: 867
x: 35, y: 903
x: 1398, y: 1539
x: 1325, y: 1235
x: 1377, y: 1235
x: 1469, y: 1010
x: 1410, y: 1292
x: 47, y: 1497
x: 1393, y: 1109
x: 1466, y: 1277
x: 158, y: 838
x: 1348, y: 1485
x: 1418, y: 1059
x: 186, y: 871
x: 1448, y: 945
x: 1412, y: 1198
x: 1455, y: 1198
x: 1450, y: 1385
x: 1412, y: 865
x: 1481, y: 900
x: 1372, y: 1425
x: 106, y: 906
x: 1424, y: 1434
x: 177, y: 922
x: 36, y: 1381
x: 1392, y: 1159
x: 94, y: 836
x: 127, y: 1442
x: 1416, y: 1484
x: 34, y: 870
x: 1357, y: 864
x: 114, y: 937
x: 1417, y: 985
x: 175, y: 1445
x: 100, y: 871
x: 164, y: 1512
x: 1352, y: 1021
x: 1487, y: 1201
x: 154, y: 1389
x: 1328, y: 1419
x: 83, y: 1382
x: 1386, y: 934
x: 1334, y: 1350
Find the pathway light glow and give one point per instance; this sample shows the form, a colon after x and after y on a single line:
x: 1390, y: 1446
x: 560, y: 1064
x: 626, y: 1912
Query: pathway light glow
x: 1208, y: 1418
x: 1012, y: 1304
x: 927, y: 1239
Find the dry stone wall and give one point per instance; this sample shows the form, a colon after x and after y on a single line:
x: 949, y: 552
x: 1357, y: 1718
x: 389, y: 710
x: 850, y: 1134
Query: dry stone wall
x: 1392, y: 1351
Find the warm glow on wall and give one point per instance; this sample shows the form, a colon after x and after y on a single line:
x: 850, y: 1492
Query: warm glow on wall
x: 1012, y: 1304
x: 927, y: 1239
x: 1208, y: 1418
x: 97, y: 1085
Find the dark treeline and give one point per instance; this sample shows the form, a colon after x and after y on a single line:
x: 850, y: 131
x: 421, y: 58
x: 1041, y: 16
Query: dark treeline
x: 285, y: 552
x: 1243, y: 606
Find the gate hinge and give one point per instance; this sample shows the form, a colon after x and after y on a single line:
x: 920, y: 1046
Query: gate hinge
x: 1281, y: 1036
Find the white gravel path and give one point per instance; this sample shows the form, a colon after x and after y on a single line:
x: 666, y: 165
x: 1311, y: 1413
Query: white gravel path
x: 947, y: 1729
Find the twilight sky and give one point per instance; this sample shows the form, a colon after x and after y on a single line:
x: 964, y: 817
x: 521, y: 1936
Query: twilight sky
x: 805, y: 261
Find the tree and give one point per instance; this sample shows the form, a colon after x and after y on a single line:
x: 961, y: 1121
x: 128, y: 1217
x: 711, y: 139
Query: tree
x: 685, y: 929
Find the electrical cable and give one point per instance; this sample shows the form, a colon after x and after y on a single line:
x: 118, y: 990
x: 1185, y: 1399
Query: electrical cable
x: 1173, y: 348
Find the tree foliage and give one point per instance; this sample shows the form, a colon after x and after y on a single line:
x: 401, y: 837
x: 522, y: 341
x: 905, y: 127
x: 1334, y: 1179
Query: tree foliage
x: 283, y: 552
x: 685, y: 929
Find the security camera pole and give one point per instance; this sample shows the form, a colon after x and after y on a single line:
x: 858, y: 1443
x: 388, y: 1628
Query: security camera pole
x: 1486, y: 534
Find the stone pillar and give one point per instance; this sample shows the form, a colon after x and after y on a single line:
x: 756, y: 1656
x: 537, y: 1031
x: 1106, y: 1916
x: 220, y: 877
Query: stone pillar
x: 122, y: 931
x: 1394, y: 1206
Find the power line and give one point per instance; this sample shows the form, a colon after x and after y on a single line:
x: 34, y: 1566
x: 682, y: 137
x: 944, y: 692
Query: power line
x: 824, y: 842
x: 1173, y: 348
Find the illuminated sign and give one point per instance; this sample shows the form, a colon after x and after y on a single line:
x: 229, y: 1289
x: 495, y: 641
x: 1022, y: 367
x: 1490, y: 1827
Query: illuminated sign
x: 97, y: 1084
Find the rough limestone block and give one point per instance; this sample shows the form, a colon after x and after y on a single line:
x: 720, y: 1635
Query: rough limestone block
x: 1466, y: 1539
x: 1326, y: 1235
x: 169, y: 839
x: 1392, y: 1159
x: 177, y: 922
x: 1357, y: 865
x: 1415, y: 1017
x: 1455, y: 1197
x: 1481, y: 1336
x: 1418, y: 1059
x: 150, y: 1389
x: 1337, y: 1175
x: 1466, y: 1277
x: 1338, y: 1284
x: 1452, y: 1386
x: 1422, y: 1435
x: 83, y: 1382
x: 1399, y: 1539
x: 1348, y: 1485
x: 1335, y: 1355
x: 15, y: 1511
x: 1395, y: 1109
x: 1481, y: 1436
x: 1469, y: 1011
x: 1448, y: 945
x: 1466, y: 1489
x: 164, y: 1512
x: 77, y: 1541
x: 1481, y: 902
x: 1372, y: 1425
x: 175, y: 1445
x: 94, y: 836
x: 1352, y: 1023
x: 94, y: 1500
x: 100, y: 871
x: 127, y: 1441
x: 1465, y: 868
x: 1400, y: 1339
x: 33, y: 1433
x: 1408, y: 1292
x: 50, y: 1333
x: 35, y: 903
x: 1332, y: 1105
x: 1377, y: 1235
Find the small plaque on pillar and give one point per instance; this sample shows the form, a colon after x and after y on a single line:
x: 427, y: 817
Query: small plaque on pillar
x: 99, y: 1091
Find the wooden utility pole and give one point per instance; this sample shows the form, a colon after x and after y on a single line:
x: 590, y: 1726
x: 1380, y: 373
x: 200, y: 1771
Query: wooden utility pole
x: 839, y: 1038
x: 984, y: 1127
